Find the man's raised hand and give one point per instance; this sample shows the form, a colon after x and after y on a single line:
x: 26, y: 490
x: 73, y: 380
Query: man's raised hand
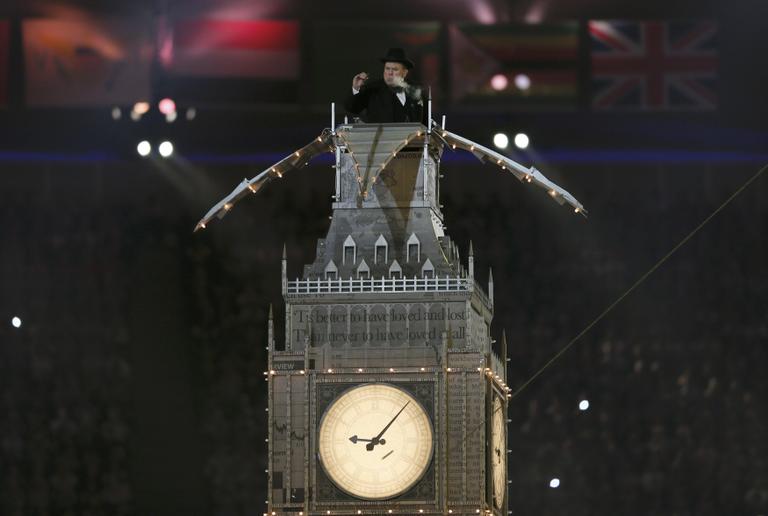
x: 358, y: 80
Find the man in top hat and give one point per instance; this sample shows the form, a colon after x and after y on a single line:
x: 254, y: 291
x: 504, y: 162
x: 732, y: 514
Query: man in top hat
x: 390, y: 99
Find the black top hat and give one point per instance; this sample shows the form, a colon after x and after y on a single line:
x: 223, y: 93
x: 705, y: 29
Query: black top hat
x: 397, y: 55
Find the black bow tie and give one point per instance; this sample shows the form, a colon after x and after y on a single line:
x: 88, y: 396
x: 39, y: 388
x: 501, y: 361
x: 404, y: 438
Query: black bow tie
x: 397, y: 89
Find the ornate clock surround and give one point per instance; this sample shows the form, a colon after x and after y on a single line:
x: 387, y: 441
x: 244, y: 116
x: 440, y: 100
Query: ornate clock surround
x: 326, y: 389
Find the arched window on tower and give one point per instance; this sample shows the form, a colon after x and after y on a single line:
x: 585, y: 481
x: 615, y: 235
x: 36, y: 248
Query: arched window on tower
x: 331, y: 271
x: 363, y: 271
x: 350, y: 252
x: 428, y: 270
x: 414, y: 249
x: 395, y: 271
x: 382, y: 250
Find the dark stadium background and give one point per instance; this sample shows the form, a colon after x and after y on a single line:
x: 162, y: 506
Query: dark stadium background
x: 135, y: 382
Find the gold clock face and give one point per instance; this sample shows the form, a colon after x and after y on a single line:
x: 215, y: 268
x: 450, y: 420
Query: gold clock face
x: 498, y: 453
x: 375, y: 441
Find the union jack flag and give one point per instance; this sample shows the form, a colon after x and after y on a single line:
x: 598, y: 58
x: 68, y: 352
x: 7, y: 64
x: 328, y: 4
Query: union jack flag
x: 654, y: 65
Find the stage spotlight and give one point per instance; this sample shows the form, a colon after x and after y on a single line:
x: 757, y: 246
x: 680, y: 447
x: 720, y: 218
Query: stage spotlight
x: 191, y: 113
x: 144, y: 148
x: 500, y: 140
x: 499, y: 82
x: 554, y: 483
x: 116, y: 113
x: 165, y: 149
x: 16, y: 322
x: 522, y: 81
x: 166, y: 106
x: 521, y: 141
x: 583, y: 405
x: 171, y: 117
x: 141, y: 107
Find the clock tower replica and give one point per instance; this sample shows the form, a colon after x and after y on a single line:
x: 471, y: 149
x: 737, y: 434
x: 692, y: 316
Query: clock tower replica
x: 386, y: 395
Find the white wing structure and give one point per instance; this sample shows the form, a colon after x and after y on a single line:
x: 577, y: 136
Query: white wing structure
x: 411, y: 135
x: 298, y: 159
x: 528, y: 175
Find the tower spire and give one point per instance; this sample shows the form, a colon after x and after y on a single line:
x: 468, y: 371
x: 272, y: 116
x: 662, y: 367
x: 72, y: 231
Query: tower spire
x: 285, y: 271
x: 490, y: 284
x: 471, y: 261
x: 270, y: 331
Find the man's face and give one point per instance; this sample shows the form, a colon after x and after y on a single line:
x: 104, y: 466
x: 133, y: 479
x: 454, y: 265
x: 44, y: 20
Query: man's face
x: 394, y: 74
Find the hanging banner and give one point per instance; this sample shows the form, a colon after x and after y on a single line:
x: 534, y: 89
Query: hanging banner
x: 231, y: 61
x: 654, y: 65
x: 86, y: 62
x: 266, y: 49
x: 525, y: 65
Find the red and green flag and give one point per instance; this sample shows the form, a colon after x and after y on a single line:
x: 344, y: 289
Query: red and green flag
x: 525, y: 65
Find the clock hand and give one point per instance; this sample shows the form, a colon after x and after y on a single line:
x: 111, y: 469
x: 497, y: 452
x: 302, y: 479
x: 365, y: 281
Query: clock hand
x: 378, y: 440
x: 378, y: 437
x: 355, y: 439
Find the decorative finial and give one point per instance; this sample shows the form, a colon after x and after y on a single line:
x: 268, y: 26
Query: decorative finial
x: 429, y: 110
x: 270, y: 332
x: 471, y: 261
x: 490, y: 284
x: 284, y: 271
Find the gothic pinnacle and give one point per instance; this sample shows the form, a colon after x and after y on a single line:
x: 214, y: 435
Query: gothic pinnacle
x: 471, y: 261
x: 490, y: 284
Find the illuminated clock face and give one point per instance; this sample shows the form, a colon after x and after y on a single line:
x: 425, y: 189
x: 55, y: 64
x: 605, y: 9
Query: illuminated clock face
x: 498, y: 453
x: 375, y: 441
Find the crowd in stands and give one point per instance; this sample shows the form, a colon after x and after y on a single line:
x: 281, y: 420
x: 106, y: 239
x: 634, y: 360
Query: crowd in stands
x: 674, y: 374
x: 65, y: 374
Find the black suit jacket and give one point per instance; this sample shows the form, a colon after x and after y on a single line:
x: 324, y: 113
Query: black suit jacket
x: 376, y: 103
